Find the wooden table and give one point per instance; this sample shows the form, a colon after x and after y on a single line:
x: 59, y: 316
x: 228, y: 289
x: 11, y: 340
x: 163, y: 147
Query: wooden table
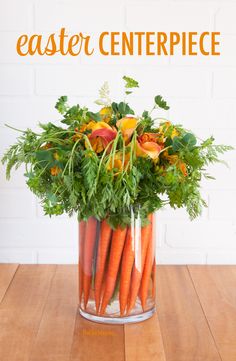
x: 39, y: 320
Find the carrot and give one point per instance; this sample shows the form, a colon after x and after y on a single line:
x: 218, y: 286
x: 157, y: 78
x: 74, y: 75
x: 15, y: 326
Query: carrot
x: 154, y: 279
x: 146, y: 277
x: 82, y: 230
x: 126, y: 271
x: 89, y: 242
x: 103, y: 246
x: 137, y: 273
x: 117, y: 245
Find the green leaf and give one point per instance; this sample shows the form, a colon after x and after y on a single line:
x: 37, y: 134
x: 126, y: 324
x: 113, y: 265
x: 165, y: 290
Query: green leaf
x: 190, y: 140
x: 124, y: 109
x: 94, y: 116
x: 177, y: 144
x: 62, y: 105
x: 161, y: 102
x: 130, y: 83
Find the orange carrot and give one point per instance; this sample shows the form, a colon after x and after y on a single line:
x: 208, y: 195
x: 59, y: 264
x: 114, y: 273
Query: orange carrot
x: 117, y: 245
x: 82, y: 230
x: 146, y: 277
x: 103, y: 246
x: 137, y: 273
x: 126, y: 271
x: 89, y: 242
x: 154, y: 279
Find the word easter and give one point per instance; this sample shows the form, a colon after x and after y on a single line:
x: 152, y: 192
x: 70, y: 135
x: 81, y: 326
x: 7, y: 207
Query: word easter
x: 121, y: 44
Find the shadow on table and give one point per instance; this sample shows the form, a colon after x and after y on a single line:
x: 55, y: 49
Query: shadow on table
x: 134, y: 342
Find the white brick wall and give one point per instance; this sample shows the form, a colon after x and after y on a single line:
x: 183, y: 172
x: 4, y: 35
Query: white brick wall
x: 200, y: 90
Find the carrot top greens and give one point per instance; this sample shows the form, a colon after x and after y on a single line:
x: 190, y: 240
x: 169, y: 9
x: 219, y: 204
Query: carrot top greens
x: 100, y: 164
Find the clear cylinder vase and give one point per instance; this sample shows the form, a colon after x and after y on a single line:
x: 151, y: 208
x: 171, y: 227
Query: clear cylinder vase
x: 117, y: 271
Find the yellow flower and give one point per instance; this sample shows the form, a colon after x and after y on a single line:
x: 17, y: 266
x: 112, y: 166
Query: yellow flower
x: 56, y: 156
x: 55, y: 170
x: 127, y: 126
x: 165, y: 126
x: 106, y: 114
x: 174, y: 133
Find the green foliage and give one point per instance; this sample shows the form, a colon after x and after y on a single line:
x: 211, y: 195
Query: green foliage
x: 129, y: 84
x: 121, y: 109
x: 67, y: 174
x: 62, y: 105
x: 161, y: 102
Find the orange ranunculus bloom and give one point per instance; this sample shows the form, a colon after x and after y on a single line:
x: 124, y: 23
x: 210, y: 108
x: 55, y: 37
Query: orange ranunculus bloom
x: 147, y: 146
x: 102, y: 134
x: 127, y: 126
x: 55, y: 170
x: 106, y: 114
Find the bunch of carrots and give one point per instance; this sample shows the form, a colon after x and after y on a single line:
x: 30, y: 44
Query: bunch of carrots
x: 112, y: 261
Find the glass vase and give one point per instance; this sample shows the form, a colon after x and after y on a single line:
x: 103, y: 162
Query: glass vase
x: 117, y: 271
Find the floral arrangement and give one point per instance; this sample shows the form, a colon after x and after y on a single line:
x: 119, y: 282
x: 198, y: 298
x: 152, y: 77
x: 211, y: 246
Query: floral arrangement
x: 102, y: 164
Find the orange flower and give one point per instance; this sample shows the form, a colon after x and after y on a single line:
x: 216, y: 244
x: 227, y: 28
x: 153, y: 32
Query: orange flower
x: 55, y: 170
x: 147, y: 146
x: 101, y: 136
x: 127, y: 126
x: 118, y: 161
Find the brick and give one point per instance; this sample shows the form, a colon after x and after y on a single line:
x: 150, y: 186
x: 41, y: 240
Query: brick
x: 208, y: 114
x: 32, y: 111
x: 225, y: 19
x: 221, y: 257
x: 158, y: 16
x: 77, y: 16
x: 55, y: 256
x: 16, y: 80
x: 15, y: 15
x: 225, y: 177
x: 16, y: 204
x: 81, y: 80
x: 200, y: 234
x: 171, y: 82
x: 180, y: 258
x: 35, y: 233
x: 224, y: 83
x: 17, y: 256
x: 222, y: 204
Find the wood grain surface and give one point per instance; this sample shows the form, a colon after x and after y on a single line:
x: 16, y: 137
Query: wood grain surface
x: 216, y: 288
x: 185, y: 331
x: 7, y: 272
x: 195, y: 319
